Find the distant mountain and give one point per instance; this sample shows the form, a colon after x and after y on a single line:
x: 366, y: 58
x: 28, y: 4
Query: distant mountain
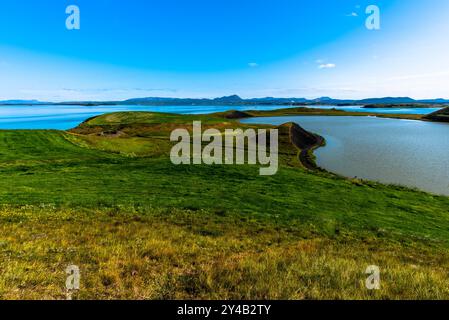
x: 435, y: 101
x: 323, y: 99
x: 278, y: 100
x: 236, y: 100
x: 230, y: 99
x: 153, y: 99
x: 388, y: 100
x: 400, y: 100
x: 227, y: 100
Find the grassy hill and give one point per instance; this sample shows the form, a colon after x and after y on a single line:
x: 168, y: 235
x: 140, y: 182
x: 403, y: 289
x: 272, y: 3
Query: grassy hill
x: 106, y: 197
x: 440, y: 115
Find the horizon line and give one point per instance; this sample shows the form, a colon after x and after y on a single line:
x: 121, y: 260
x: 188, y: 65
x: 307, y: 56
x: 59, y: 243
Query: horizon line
x: 225, y: 96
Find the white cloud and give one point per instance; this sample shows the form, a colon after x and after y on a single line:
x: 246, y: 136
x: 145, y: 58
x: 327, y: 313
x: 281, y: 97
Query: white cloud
x: 253, y: 64
x: 327, y: 66
x: 352, y: 14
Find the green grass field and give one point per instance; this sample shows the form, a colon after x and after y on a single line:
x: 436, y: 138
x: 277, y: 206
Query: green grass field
x: 107, y: 198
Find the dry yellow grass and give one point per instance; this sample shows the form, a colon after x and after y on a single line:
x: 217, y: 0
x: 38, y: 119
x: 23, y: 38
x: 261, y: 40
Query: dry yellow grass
x: 125, y: 254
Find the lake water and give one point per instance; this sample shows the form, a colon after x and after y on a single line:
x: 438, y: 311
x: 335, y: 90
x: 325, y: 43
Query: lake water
x: 67, y: 117
x: 63, y: 117
x: 406, y: 152
x: 381, y: 110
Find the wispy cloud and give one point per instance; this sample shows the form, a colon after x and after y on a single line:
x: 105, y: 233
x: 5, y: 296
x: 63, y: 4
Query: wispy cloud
x: 94, y: 94
x: 118, y: 90
x: 327, y: 66
x: 307, y: 92
x: 354, y: 13
x: 253, y: 64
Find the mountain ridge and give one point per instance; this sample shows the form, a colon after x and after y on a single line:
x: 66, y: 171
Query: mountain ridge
x: 237, y: 100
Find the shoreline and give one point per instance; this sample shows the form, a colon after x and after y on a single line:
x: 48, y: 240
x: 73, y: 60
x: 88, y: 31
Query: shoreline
x: 285, y: 112
x: 67, y: 121
x: 306, y: 155
x: 307, y: 159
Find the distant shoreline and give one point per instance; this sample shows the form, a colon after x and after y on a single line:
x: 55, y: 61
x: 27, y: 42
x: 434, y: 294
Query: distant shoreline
x: 386, y: 102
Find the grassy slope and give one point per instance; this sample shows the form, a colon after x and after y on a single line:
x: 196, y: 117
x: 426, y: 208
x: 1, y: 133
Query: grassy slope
x: 140, y: 227
x: 441, y: 115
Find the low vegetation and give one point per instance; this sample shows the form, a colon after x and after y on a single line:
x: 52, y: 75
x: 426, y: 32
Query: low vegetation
x: 440, y: 115
x: 106, y: 197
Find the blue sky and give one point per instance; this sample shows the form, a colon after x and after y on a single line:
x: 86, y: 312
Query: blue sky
x: 199, y: 48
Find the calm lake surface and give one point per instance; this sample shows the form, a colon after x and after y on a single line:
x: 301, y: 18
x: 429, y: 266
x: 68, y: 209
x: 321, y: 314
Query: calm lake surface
x: 67, y: 117
x: 381, y: 110
x: 406, y: 152
x: 64, y: 117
